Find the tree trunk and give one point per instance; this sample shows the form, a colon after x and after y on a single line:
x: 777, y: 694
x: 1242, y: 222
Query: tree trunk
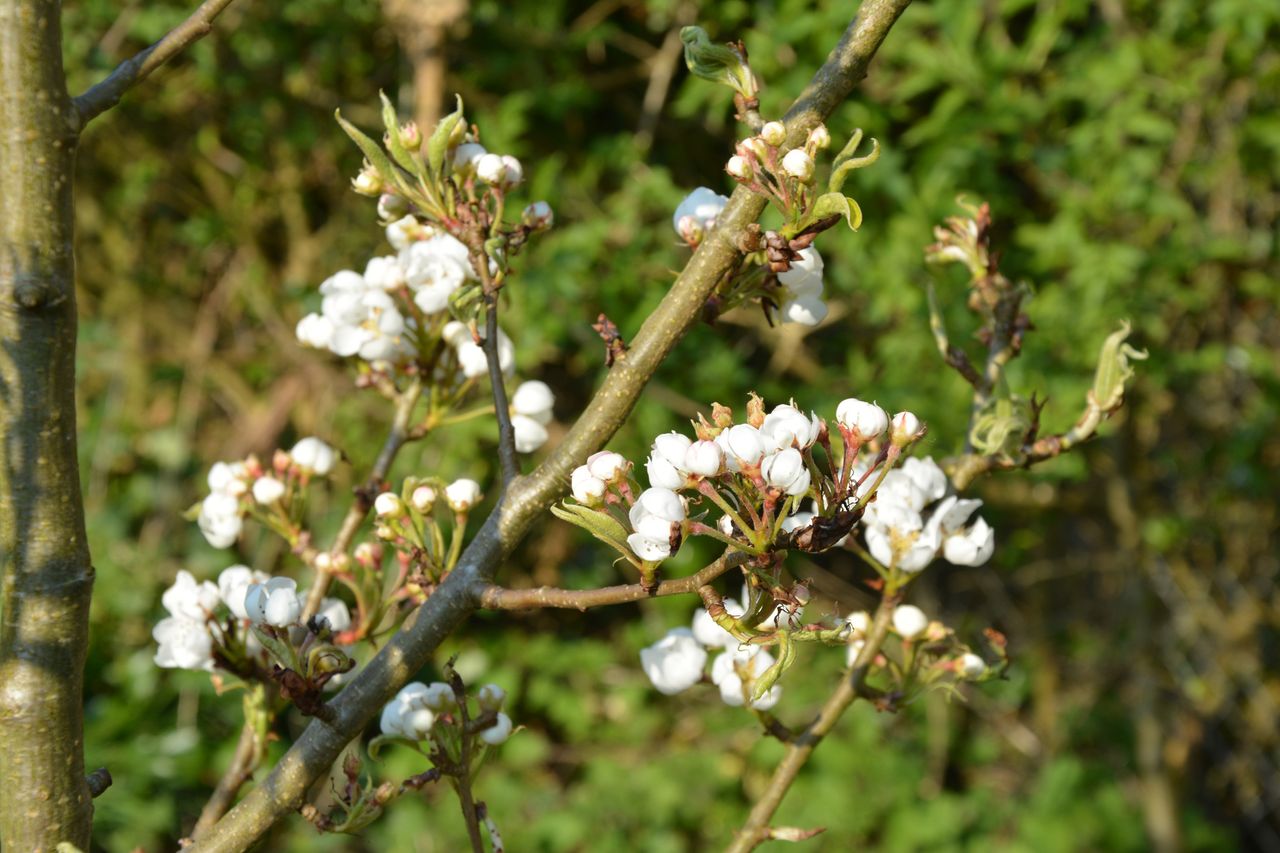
x: 45, y: 575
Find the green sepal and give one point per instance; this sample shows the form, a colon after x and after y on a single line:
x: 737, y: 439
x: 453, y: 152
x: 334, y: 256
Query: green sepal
x: 1114, y: 369
x: 372, y: 150
x: 768, y: 678
x: 395, y: 144
x: 441, y: 137
x: 599, y: 524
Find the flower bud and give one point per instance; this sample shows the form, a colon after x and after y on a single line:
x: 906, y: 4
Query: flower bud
x: 774, y: 133
x: 391, y: 207
x: 798, y: 164
x: 273, y: 602
x: 268, y: 490
x: 739, y: 168
x: 704, y: 458
x: 466, y: 156
x: 498, y: 732
x: 785, y: 470
x: 607, y: 465
x: 368, y: 182
x: 462, y: 494
x: 410, y: 135
x: 491, y: 697
x: 675, y: 662
x: 538, y: 216
x: 313, y: 455
x: 513, y: 172
x: 491, y: 169
x: 865, y: 420
x: 388, y: 504
x: 909, y: 621
x: 906, y: 429
x: 972, y: 666
x: 439, y: 697
x: 587, y: 489
x: 423, y: 498
x: 744, y: 444
x: 819, y: 138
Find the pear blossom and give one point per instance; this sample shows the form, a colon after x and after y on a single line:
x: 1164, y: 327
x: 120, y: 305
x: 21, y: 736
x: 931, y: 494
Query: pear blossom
x: 774, y: 133
x: 906, y: 428
x: 698, y: 212
x: 384, y: 273
x: 268, y: 490
x: 972, y: 547
x: 273, y: 602
x: 972, y: 666
x: 709, y: 633
x: 439, y: 697
x: 335, y: 612
x: 533, y: 399
x: 672, y: 446
x: 402, y: 232
x: 491, y: 697
x: 704, y: 459
x: 819, y: 138
x: 313, y: 456
x: 407, y: 715
x: 388, y: 504
x: 423, y: 498
x: 785, y: 470
x: 538, y: 216
x: 220, y: 519
x: 529, y: 433
x: 865, y: 420
x: 743, y: 445
x: 607, y: 465
x: 909, y: 621
x: 790, y: 427
x: 739, y: 168
x: 462, y: 494
x: 187, y: 599
x: 727, y: 672
x: 233, y: 583
x: 798, y: 164
x: 804, y: 278
x: 663, y: 474
x: 675, y: 662
x: 655, y: 517
x: 587, y: 489
x: 804, y: 310
x: 183, y: 644
x: 498, y: 732
x: 466, y: 155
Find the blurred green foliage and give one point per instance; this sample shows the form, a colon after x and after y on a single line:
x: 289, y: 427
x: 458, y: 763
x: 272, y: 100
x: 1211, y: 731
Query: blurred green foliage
x: 1129, y: 151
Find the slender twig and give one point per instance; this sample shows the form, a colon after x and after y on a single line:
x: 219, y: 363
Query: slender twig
x: 494, y: 597
x: 802, y: 745
x: 462, y: 781
x: 528, y: 497
x: 104, y: 95
x: 506, y: 432
x: 956, y: 358
x: 237, y: 773
x: 399, y: 434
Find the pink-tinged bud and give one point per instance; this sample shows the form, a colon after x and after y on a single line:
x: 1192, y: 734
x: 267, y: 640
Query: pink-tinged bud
x: 906, y: 429
x: 410, y: 136
x: 423, y: 498
x: 866, y: 421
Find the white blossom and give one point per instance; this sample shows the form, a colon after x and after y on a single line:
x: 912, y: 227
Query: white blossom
x: 774, y: 133
x: 700, y: 208
x: 672, y: 447
x: 786, y: 470
x: 184, y: 644
x: 530, y: 434
x: 906, y: 428
x: 407, y: 715
x: 491, y: 697
x: 187, y: 599
x: 654, y: 517
x: 388, y: 504
x: 709, y: 633
x: 466, y: 155
x: 739, y: 168
x: 384, y: 273
x: 727, y: 672
x: 798, y: 164
x: 538, y: 216
x: 675, y: 662
x: 335, y: 612
x: 804, y: 278
x: 233, y: 583
x: 267, y: 490
x: 704, y: 459
x: 498, y: 732
x: 607, y: 465
x: 534, y: 399
x: 273, y: 602
x: 404, y: 231
x: 662, y: 474
x: 789, y: 426
x: 586, y: 488
x: 315, y: 330
x: 313, y: 455
x: 972, y: 666
x: 219, y: 519
x: 972, y: 547
x: 804, y: 310
x: 462, y: 494
x: 439, y: 696
x: 743, y: 445
x: 909, y: 621
x: 865, y: 420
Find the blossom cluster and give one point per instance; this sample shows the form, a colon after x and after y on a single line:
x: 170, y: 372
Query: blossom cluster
x: 208, y: 623
x: 243, y: 486
x: 413, y: 713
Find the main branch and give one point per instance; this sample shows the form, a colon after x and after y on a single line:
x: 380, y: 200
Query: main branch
x: 528, y: 497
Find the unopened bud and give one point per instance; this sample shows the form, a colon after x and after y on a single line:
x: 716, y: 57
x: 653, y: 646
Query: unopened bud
x: 739, y: 168
x: 491, y: 697
x: 388, y: 505
x: 410, y: 136
x: 819, y: 138
x: 774, y: 133
x: 798, y: 164
x: 538, y: 216
x: 368, y: 182
x: 906, y: 428
x: 423, y: 498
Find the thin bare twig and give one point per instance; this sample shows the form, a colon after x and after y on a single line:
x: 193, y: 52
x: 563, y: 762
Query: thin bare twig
x: 801, y: 746
x: 495, y: 597
x: 237, y: 773
x: 362, y: 500
x: 104, y: 95
x: 507, y: 457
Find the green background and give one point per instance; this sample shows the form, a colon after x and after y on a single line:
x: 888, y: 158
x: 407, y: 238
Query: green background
x: 1130, y: 153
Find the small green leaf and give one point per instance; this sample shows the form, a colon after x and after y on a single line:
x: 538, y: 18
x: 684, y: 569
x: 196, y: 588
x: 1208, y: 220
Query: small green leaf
x: 599, y: 524
x: 833, y: 204
x: 1114, y: 369
x: 441, y: 137
x: 845, y: 163
x: 718, y: 63
x: 372, y: 151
